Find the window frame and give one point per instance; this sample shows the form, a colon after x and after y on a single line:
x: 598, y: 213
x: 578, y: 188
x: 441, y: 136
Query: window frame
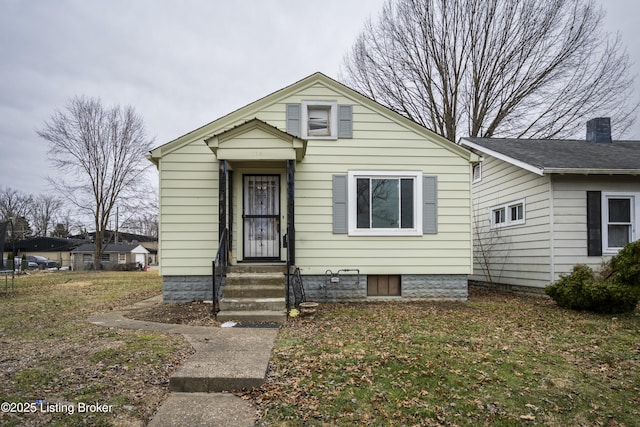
x: 476, y: 167
x: 353, y: 230
x: 634, y: 199
x: 507, y: 210
x: 332, y: 106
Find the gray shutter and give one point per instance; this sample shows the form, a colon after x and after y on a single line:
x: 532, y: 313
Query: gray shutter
x: 340, y: 203
x: 294, y: 118
x: 594, y: 223
x: 345, y: 121
x: 430, y: 204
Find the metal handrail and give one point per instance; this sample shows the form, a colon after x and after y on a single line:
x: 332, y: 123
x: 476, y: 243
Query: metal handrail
x: 221, y: 261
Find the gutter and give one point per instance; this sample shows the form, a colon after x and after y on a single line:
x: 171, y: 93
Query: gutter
x: 588, y: 171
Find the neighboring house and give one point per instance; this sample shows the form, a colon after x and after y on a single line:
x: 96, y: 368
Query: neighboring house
x: 542, y: 206
x: 323, y: 177
x: 53, y: 248
x: 125, y: 255
x: 148, y: 242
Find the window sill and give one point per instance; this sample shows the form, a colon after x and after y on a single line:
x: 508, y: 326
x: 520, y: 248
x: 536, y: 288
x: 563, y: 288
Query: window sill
x: 388, y: 233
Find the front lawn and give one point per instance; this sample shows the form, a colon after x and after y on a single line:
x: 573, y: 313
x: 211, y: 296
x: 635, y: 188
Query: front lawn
x: 55, y: 366
x: 496, y: 360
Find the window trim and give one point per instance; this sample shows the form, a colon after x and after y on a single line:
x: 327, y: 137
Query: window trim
x: 332, y: 106
x: 352, y: 204
x: 508, y: 222
x: 634, y: 217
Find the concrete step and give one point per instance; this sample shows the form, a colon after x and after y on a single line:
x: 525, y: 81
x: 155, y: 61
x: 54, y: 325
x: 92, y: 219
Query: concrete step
x: 274, y: 279
x: 254, y: 291
x: 226, y: 359
x: 263, y: 316
x: 257, y: 268
x: 252, y: 304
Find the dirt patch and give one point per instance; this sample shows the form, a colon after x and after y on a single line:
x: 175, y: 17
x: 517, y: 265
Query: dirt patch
x: 196, y: 313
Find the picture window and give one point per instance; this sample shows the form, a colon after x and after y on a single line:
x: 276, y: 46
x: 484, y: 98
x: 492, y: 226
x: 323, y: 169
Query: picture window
x: 385, y: 203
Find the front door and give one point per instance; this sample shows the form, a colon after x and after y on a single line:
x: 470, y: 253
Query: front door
x: 261, y: 217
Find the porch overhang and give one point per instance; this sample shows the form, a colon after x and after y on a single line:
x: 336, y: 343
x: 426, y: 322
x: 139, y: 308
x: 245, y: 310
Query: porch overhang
x: 256, y: 140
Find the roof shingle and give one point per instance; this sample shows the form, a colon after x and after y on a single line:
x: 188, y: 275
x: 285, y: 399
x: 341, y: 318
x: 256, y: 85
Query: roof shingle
x: 550, y: 154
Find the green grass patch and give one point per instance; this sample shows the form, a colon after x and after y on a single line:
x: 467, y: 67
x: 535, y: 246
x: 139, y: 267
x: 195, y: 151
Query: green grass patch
x: 50, y: 351
x: 496, y: 360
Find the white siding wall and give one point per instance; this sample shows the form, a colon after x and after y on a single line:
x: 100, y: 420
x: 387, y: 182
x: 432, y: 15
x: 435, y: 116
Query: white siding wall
x: 518, y: 255
x: 570, y: 217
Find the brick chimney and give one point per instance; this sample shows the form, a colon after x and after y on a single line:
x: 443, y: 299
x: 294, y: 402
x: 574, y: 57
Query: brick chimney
x: 599, y: 130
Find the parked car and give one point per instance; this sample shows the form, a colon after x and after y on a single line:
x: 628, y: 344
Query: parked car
x: 44, y: 262
x: 32, y: 264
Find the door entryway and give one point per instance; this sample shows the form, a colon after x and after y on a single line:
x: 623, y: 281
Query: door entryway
x: 261, y: 217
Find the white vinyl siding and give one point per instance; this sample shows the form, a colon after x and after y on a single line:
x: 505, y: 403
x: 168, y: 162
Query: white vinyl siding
x: 570, y: 219
x: 519, y: 253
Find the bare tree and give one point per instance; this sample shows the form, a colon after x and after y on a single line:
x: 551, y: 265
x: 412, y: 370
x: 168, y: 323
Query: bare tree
x: 45, y: 208
x: 15, y: 208
x: 489, y: 247
x: 512, y: 68
x: 100, y: 153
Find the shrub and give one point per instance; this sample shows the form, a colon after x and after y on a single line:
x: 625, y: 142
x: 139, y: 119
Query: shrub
x: 570, y: 291
x: 625, y: 266
x: 614, y: 289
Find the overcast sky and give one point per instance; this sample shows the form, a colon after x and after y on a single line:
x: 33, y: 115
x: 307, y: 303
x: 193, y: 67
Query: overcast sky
x: 180, y: 64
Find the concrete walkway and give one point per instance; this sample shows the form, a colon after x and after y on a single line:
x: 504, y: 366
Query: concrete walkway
x: 226, y: 360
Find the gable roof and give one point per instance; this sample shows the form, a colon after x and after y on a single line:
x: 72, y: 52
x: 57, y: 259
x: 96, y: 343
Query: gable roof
x: 562, y: 156
x: 234, y: 118
x: 225, y: 148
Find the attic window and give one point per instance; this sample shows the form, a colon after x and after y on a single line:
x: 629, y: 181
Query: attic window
x: 477, y: 172
x: 320, y: 120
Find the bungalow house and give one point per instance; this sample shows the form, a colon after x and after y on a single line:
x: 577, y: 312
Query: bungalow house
x: 364, y: 202
x: 126, y: 256
x: 150, y: 243
x: 542, y: 206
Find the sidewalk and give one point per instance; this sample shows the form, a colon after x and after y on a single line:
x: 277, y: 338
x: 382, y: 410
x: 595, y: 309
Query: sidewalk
x: 226, y: 359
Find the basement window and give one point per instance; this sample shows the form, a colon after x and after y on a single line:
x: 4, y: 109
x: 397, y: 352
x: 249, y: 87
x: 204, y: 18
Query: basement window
x: 383, y: 285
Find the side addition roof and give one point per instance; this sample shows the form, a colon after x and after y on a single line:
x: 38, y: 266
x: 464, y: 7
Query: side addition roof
x: 562, y: 156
